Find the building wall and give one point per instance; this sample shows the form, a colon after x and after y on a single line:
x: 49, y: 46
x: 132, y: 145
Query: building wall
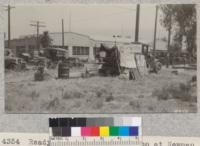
x: 85, y: 46
x: 78, y: 45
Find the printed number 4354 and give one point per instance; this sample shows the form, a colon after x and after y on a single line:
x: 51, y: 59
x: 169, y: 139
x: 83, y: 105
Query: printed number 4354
x: 8, y: 141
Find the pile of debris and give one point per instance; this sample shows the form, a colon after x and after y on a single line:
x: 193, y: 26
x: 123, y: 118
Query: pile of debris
x: 110, y: 61
x: 123, y: 61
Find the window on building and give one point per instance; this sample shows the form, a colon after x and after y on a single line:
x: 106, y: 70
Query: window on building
x: 87, y: 51
x: 82, y: 51
x: 74, y: 51
x: 77, y: 50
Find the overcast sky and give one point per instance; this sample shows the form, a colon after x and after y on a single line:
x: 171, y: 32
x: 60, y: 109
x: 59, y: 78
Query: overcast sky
x: 97, y: 21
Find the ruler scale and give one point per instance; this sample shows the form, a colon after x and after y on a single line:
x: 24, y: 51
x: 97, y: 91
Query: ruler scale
x: 93, y: 141
x: 118, y: 131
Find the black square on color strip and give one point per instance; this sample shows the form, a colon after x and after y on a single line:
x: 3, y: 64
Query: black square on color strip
x: 64, y: 122
x: 81, y: 122
x: 73, y: 123
x: 50, y: 122
x: 53, y: 122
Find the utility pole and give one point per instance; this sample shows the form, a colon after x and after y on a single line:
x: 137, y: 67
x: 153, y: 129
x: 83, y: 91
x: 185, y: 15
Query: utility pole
x: 8, y: 8
x: 169, y: 39
x: 169, y: 32
x: 63, y: 35
x: 37, y: 24
x: 155, y: 31
x: 137, y: 23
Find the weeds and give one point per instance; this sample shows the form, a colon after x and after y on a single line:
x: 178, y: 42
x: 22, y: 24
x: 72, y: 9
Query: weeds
x: 71, y: 95
x: 34, y: 95
x: 109, y: 98
x: 101, y: 92
x: 53, y: 104
x: 141, y: 96
x: 151, y: 108
x: 98, y: 104
x: 179, y: 91
x: 134, y: 104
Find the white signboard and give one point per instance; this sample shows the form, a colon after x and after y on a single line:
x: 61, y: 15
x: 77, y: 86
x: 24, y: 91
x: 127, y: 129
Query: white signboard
x: 127, y: 55
x: 141, y: 64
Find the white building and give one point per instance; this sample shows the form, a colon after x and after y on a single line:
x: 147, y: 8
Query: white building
x: 77, y: 45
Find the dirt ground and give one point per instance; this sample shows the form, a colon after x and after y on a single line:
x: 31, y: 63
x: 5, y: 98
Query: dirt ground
x: 166, y: 91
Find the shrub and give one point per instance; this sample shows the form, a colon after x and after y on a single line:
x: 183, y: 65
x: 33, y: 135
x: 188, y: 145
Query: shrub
x: 179, y: 91
x: 109, y: 98
x: 34, y: 94
x: 101, y: 92
x: 134, y: 104
x: 53, y: 103
x: 98, y: 104
x: 72, y: 94
x: 151, y: 108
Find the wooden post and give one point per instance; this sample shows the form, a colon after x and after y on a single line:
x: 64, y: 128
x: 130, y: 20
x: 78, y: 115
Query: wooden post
x: 9, y: 22
x: 63, y: 35
x: 168, y: 42
x: 155, y: 31
x: 137, y: 23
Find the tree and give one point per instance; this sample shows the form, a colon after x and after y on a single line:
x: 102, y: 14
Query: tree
x: 182, y: 17
x: 45, y: 40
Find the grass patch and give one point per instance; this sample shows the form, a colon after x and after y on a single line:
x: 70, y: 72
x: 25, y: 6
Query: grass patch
x: 181, y: 91
x: 151, y: 108
x: 134, y: 104
x: 98, y: 104
x: 109, y: 98
x: 72, y: 94
x: 34, y: 95
x: 53, y: 104
x: 101, y: 93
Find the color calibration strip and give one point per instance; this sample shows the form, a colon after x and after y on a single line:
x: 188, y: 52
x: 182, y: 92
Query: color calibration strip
x: 67, y: 127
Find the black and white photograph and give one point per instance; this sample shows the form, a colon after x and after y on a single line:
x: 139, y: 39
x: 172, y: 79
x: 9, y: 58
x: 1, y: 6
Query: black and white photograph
x: 100, y: 59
